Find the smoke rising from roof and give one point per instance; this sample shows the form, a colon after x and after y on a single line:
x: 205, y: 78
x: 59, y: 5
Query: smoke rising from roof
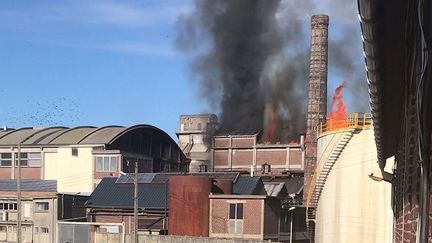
x: 250, y: 56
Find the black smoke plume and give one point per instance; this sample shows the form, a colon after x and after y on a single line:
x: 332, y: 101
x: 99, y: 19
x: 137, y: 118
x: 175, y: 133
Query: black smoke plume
x: 250, y: 57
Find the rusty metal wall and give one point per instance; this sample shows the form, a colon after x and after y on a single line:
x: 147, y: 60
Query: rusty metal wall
x: 317, y: 103
x: 189, y: 205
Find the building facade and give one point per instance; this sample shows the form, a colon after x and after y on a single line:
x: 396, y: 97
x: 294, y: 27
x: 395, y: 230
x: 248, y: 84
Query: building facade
x: 41, y: 210
x: 245, y: 153
x: 195, y: 139
x: 78, y: 158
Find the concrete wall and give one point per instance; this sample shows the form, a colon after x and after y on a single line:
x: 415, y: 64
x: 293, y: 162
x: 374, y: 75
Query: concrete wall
x: 352, y: 207
x: 116, y: 238
x: 73, y: 173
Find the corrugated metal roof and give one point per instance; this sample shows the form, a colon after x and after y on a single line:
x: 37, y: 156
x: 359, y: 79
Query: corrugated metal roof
x: 29, y: 185
x: 163, y: 177
x: 102, y: 135
x: 110, y: 194
x: 16, y: 136
x: 43, y: 134
x: 248, y: 185
x: 73, y: 135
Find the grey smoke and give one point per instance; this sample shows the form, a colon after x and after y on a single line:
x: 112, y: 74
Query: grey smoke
x: 250, y: 54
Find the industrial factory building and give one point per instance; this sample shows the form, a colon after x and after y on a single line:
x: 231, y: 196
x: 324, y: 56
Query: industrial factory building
x: 242, y: 153
x: 349, y: 205
x: 78, y: 158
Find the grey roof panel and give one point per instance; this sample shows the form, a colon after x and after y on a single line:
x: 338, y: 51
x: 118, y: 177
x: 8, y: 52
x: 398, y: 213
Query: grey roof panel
x: 29, y: 185
x: 43, y: 140
x: 17, y: 136
x: 73, y: 135
x: 41, y: 135
x: 102, y: 135
x: 110, y: 194
x: 246, y: 185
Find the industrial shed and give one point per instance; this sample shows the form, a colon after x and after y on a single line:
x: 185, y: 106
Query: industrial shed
x: 79, y: 157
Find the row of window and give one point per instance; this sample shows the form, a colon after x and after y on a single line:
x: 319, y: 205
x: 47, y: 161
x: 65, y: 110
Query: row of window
x: 103, y: 163
x: 24, y: 229
x: 106, y: 163
x: 27, y: 159
x: 39, y: 206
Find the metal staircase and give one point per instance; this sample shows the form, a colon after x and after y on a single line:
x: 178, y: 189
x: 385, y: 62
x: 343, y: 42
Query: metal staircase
x: 320, y: 176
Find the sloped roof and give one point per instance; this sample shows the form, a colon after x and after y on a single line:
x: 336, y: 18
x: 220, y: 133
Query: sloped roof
x: 29, y: 185
x: 111, y: 194
x: 248, y: 185
x: 274, y: 189
x: 118, y: 192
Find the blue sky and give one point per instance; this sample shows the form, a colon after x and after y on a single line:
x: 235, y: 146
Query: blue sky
x: 93, y: 63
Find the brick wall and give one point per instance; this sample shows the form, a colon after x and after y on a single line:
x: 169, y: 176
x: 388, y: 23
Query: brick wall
x: 220, y: 157
x: 242, y: 157
x: 221, y: 142
x: 272, y: 157
x: 219, y: 217
x: 295, y: 157
x: 247, y: 142
x: 252, y: 217
x: 252, y: 211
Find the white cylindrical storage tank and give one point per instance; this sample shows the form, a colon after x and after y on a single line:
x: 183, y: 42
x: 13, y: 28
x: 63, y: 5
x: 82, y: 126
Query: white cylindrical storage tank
x: 351, y: 206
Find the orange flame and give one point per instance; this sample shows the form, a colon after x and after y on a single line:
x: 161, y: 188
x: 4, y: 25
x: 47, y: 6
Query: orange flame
x: 338, y: 113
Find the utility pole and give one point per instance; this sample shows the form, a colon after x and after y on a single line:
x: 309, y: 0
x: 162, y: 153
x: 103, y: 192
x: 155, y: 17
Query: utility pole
x: 136, y: 202
x: 19, y: 238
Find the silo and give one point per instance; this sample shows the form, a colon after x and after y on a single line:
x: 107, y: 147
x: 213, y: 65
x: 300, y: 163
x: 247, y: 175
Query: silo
x: 189, y: 205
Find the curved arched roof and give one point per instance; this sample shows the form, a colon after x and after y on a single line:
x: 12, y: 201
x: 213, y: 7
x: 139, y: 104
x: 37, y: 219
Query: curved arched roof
x: 71, y: 136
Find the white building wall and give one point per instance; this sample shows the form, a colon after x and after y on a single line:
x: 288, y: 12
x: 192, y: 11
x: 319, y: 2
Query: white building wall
x: 73, y: 173
x: 352, y: 207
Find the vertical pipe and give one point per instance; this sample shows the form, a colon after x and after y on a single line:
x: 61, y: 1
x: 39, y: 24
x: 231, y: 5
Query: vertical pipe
x: 317, y: 104
x: 19, y: 235
x: 136, y: 203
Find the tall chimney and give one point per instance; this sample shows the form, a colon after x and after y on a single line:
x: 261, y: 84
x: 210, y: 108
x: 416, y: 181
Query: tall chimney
x: 317, y: 104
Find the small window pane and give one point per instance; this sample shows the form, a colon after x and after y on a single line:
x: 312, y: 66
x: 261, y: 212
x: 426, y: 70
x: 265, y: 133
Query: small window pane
x: 6, y: 155
x: 99, y: 163
x: 42, y: 206
x: 34, y: 155
x: 240, y: 211
x: 106, y: 163
x: 232, y: 210
x: 6, y: 163
x: 34, y: 162
x: 113, y: 166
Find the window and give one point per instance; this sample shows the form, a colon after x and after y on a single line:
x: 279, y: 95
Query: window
x: 41, y: 206
x: 24, y: 159
x: 34, y: 159
x: 74, y: 152
x: 8, y: 206
x: 106, y: 163
x: 6, y: 159
x: 235, y: 222
x: 236, y: 211
x: 44, y: 230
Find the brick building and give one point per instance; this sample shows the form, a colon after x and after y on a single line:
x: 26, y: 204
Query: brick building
x: 112, y: 203
x: 397, y: 39
x: 243, y: 152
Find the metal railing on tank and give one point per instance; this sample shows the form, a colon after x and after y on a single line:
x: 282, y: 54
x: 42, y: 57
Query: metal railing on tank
x: 356, y: 120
